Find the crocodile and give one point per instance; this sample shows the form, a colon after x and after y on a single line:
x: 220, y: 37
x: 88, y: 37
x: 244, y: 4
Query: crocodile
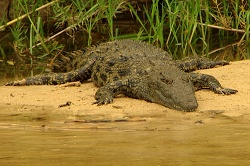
x: 138, y: 70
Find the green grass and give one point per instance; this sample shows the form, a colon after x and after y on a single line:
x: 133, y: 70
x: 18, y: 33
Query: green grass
x: 183, y: 28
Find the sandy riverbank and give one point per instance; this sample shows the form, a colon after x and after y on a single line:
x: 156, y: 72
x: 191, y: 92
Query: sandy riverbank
x: 48, y: 99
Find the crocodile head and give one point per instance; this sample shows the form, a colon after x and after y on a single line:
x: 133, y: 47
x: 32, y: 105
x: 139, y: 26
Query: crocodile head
x: 172, y: 88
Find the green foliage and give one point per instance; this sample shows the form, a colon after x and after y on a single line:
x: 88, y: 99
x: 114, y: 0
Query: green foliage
x: 41, y: 30
x: 155, y: 17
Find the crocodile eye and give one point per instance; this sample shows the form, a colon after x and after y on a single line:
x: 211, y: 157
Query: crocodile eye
x: 185, y: 79
x: 166, y: 81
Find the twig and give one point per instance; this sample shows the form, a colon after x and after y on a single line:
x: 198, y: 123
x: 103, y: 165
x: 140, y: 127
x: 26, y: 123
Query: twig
x: 25, y: 15
x: 223, y: 28
x: 66, y: 29
x: 68, y: 103
x: 69, y: 84
x: 52, y: 37
x: 222, y: 48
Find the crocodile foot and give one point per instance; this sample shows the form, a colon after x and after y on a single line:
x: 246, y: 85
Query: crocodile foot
x: 225, y: 91
x: 103, y: 97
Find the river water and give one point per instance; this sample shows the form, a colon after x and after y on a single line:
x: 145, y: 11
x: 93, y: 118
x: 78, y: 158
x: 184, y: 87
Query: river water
x: 159, y: 142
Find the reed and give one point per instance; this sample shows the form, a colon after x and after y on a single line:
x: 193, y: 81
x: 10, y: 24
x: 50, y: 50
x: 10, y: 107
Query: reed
x: 180, y: 27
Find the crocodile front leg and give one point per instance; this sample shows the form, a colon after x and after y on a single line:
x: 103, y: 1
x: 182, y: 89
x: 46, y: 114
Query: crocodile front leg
x: 202, y: 81
x: 106, y: 93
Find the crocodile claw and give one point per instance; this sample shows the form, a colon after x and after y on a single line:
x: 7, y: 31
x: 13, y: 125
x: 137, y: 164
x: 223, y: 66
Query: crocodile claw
x: 103, y: 101
x: 225, y: 91
x: 103, y: 96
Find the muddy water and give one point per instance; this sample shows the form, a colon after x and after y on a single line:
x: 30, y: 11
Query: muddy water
x: 27, y: 140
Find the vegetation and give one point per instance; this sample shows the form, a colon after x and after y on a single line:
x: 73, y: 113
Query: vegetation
x: 35, y: 32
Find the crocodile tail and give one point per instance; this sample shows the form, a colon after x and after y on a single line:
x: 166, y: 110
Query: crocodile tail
x: 81, y: 75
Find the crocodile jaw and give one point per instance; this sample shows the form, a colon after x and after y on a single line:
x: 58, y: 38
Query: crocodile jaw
x: 187, y: 105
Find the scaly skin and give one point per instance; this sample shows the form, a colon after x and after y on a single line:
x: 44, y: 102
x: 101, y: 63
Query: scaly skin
x: 138, y: 70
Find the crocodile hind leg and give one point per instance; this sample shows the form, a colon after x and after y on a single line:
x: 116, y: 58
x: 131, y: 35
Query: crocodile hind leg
x: 202, y: 81
x: 196, y: 63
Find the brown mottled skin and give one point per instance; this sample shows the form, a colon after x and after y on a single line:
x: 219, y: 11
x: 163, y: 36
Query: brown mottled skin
x: 138, y: 70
